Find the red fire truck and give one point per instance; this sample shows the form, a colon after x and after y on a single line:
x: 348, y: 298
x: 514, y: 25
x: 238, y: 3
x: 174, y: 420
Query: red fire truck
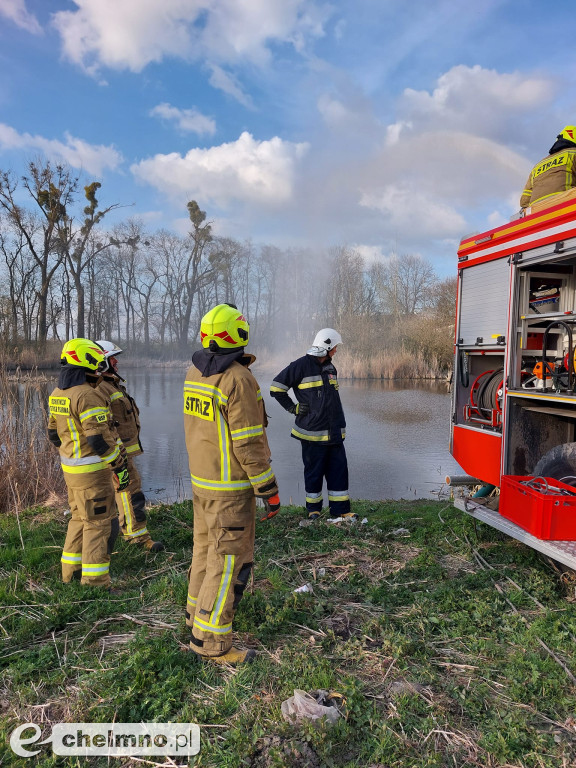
x: 514, y: 393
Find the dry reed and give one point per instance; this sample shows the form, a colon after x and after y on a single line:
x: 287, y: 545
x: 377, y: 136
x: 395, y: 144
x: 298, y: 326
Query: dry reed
x: 30, y: 471
x: 387, y: 365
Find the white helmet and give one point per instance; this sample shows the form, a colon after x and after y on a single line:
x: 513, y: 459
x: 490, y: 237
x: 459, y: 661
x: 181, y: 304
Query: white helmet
x: 110, y: 350
x: 324, y: 341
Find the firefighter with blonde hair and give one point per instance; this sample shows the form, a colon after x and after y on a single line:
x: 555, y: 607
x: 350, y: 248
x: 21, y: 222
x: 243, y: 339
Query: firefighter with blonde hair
x: 229, y: 458
x: 93, y: 461
x: 131, y: 502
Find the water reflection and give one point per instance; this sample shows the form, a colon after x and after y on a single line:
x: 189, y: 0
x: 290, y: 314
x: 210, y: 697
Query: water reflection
x: 396, y: 437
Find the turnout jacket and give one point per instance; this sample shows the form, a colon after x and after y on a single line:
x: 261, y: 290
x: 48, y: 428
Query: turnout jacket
x: 125, y: 413
x: 555, y: 173
x: 315, y: 384
x: 224, y: 423
x: 77, y: 413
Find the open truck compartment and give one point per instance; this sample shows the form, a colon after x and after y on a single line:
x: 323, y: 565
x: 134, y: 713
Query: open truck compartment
x: 514, y: 391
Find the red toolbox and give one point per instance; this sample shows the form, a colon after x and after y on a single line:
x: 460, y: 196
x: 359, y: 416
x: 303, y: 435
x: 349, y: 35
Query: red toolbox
x: 544, y: 507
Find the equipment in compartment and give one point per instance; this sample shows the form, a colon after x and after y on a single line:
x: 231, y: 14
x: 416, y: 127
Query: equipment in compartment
x: 485, y: 400
x: 544, y: 507
x: 543, y: 374
x: 545, y: 297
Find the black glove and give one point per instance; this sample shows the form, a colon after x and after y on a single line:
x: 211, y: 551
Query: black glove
x: 299, y: 409
x: 272, y: 507
x: 121, y: 477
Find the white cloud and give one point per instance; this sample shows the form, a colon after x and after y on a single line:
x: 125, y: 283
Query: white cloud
x: 92, y: 158
x: 132, y: 33
x: 16, y: 11
x: 478, y: 101
x: 224, y: 81
x: 407, y: 209
x: 189, y: 120
x: 245, y: 170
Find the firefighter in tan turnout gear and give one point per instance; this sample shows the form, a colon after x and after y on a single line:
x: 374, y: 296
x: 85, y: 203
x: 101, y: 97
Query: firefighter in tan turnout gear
x: 131, y: 502
x: 93, y: 461
x: 229, y: 457
x: 553, y: 175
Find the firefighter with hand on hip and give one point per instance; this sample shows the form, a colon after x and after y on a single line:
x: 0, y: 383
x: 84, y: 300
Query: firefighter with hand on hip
x: 320, y: 424
x: 131, y: 501
x: 555, y: 174
x: 229, y: 457
x: 93, y: 461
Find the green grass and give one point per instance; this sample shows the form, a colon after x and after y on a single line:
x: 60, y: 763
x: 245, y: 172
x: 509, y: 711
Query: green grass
x: 439, y: 656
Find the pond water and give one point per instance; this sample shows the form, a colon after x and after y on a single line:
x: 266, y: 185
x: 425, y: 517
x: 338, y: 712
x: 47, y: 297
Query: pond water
x: 396, y: 438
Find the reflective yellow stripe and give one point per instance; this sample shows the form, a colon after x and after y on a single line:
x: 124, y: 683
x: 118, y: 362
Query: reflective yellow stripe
x: 73, y: 430
x: 224, y: 444
x: 240, y: 434
x: 94, y: 412
x: 310, y: 384
x: 258, y: 479
x: 220, y: 485
x: 71, y: 557
x: 81, y: 469
x: 222, y: 589
x: 110, y: 457
x: 206, y: 389
x: 93, y: 569
x: 331, y: 497
x: 278, y: 389
x: 311, y: 438
x: 125, y: 504
x: 135, y: 535
x: 132, y: 448
x: 116, y: 396
x: 204, y: 626
x: 191, y: 600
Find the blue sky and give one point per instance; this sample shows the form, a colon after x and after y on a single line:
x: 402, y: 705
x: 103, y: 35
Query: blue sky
x: 387, y: 125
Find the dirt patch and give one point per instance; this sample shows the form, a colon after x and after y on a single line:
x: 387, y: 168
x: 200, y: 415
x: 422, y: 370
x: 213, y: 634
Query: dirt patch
x: 337, y: 566
x: 293, y: 753
x: 457, y: 564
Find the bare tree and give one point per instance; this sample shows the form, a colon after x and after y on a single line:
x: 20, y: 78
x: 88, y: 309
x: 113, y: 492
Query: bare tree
x: 52, y: 190
x: 405, y: 284
x: 80, y: 246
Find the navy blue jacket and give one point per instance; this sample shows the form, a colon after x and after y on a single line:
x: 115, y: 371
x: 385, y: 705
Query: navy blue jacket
x: 315, y: 384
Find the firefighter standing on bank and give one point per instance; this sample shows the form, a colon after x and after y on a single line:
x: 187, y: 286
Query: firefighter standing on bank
x: 131, y: 502
x: 554, y: 174
x: 93, y: 461
x: 229, y: 457
x: 320, y: 424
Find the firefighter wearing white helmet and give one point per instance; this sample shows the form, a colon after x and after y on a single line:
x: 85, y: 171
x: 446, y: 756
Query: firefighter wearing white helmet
x: 320, y: 424
x: 93, y: 461
x: 229, y: 458
x: 130, y: 501
x: 553, y: 175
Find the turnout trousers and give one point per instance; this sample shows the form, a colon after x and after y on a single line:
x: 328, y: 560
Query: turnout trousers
x: 221, y: 563
x: 92, y: 528
x: 330, y: 462
x: 131, y: 508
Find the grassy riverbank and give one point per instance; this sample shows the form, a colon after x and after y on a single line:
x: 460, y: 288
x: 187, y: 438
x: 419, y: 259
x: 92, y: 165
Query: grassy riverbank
x: 451, y: 650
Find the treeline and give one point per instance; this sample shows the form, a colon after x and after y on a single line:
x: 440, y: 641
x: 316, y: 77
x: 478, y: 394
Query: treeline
x: 65, y: 273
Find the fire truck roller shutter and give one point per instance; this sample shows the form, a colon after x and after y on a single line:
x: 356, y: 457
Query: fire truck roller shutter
x: 559, y: 463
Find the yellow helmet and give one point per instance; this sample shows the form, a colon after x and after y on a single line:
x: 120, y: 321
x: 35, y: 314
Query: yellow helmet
x: 224, y: 327
x: 84, y: 354
x: 568, y: 133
